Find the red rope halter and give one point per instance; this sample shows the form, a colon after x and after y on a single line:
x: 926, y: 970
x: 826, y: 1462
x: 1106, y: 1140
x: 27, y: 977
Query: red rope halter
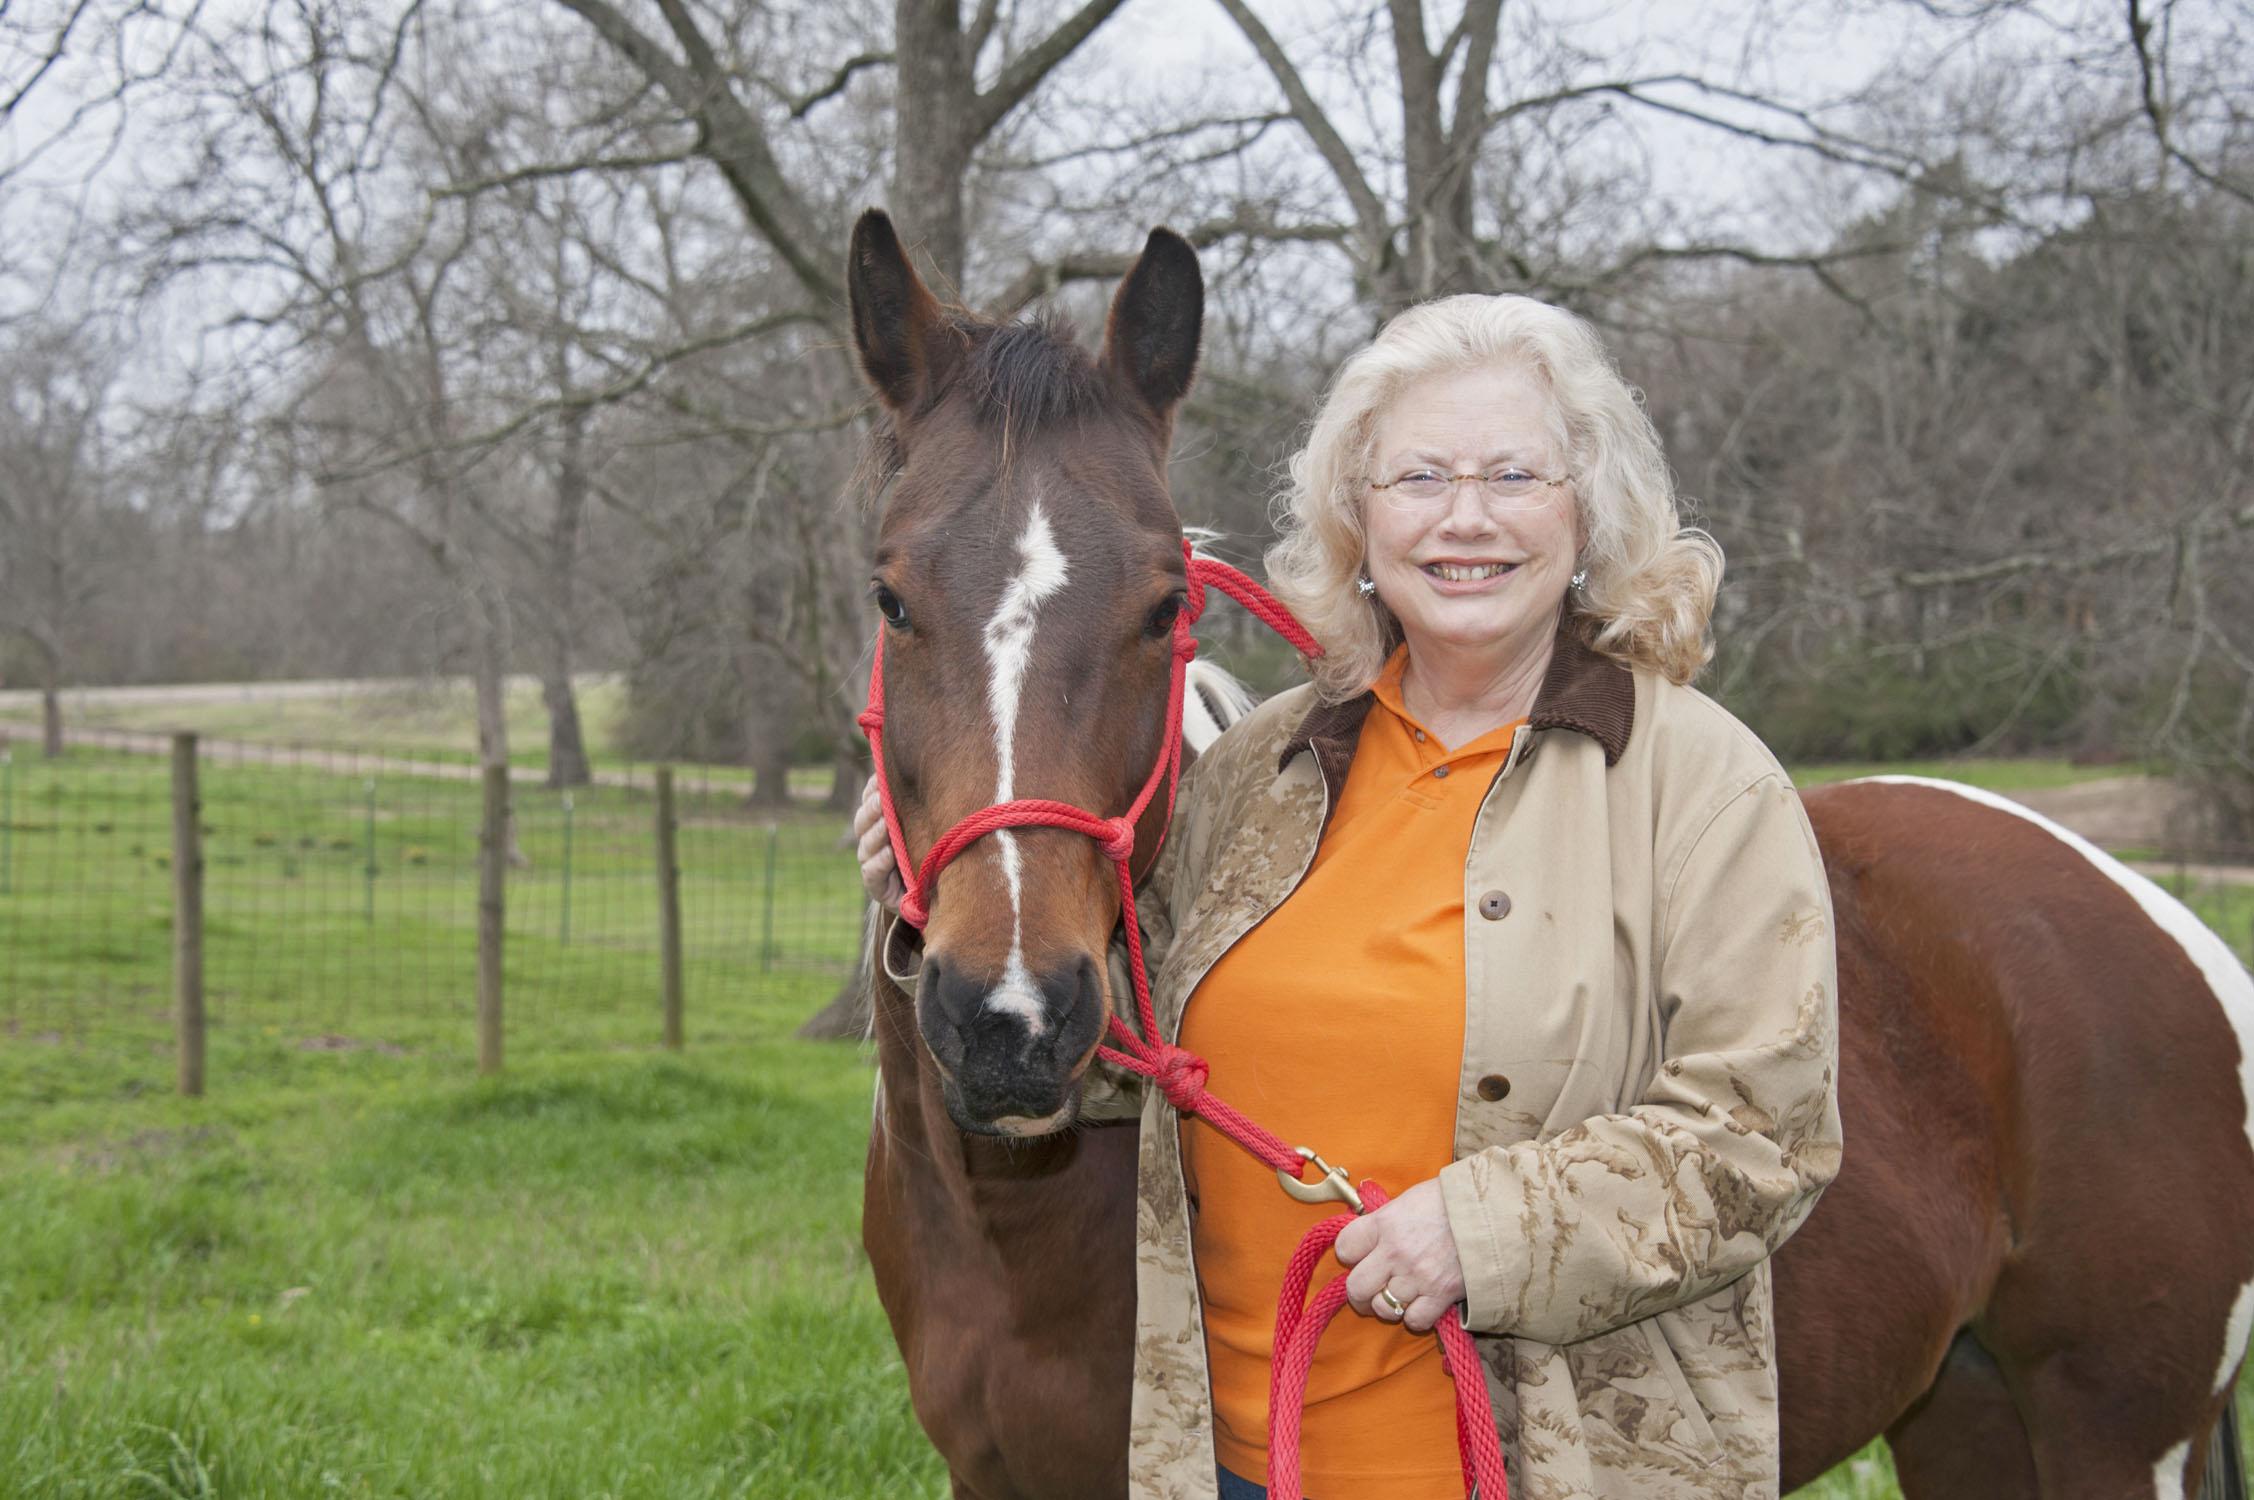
x: 1181, y: 1074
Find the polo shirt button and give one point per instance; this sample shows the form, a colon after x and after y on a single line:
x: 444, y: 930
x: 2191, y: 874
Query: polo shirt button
x: 1440, y: 771
x: 1494, y: 906
x: 1420, y: 736
x: 1493, y: 1087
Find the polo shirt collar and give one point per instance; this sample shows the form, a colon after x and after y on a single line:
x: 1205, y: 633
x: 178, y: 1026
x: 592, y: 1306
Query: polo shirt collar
x: 1583, y: 690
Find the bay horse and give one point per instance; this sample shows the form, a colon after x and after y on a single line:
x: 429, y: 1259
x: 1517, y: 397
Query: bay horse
x: 2035, y: 1272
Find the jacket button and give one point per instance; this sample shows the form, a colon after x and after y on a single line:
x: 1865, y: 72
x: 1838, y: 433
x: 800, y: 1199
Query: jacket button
x: 1493, y: 1087
x: 1494, y: 906
x: 1440, y: 771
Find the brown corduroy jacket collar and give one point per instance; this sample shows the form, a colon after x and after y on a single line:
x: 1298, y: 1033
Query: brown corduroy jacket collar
x: 1583, y: 690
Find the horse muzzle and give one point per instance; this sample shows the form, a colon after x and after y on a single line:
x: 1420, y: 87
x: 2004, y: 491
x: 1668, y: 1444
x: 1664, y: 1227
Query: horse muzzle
x: 1011, y: 1048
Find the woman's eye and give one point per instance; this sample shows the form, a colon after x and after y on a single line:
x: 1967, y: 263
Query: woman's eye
x: 889, y: 605
x: 1420, y: 477
x: 1162, y: 618
x: 1510, y: 474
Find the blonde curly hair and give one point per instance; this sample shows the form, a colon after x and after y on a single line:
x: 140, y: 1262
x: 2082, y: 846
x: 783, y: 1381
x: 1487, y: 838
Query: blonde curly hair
x: 1651, y: 580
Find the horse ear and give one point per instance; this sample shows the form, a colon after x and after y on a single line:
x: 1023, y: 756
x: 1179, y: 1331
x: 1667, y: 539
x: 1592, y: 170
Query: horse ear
x: 1151, y: 338
x: 898, y: 328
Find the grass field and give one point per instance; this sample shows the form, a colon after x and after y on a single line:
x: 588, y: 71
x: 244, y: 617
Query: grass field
x: 358, y: 1269
x: 435, y: 715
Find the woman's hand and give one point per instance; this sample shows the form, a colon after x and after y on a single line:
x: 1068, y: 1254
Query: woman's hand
x: 1407, y: 1249
x: 880, y: 875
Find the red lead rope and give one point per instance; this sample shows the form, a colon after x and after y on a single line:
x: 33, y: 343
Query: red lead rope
x: 1181, y: 1074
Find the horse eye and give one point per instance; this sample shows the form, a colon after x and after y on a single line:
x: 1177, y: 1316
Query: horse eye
x: 1162, y: 618
x: 889, y: 605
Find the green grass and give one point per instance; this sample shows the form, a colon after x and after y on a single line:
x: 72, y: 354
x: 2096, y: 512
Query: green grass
x: 355, y: 1268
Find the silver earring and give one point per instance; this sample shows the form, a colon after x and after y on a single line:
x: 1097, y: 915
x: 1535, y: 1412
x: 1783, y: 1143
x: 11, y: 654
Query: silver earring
x: 1581, y: 579
x: 1365, y: 586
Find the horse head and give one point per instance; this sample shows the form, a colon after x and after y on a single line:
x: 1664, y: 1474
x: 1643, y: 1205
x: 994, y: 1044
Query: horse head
x: 1028, y: 576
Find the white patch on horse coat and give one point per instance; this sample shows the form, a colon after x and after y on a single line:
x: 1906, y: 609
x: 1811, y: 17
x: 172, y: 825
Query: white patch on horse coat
x: 2168, y: 1473
x: 1041, y: 573
x: 2233, y: 989
x: 1212, y: 700
x: 2234, y: 1336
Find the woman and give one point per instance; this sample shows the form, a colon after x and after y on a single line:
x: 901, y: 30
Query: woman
x: 1500, y: 913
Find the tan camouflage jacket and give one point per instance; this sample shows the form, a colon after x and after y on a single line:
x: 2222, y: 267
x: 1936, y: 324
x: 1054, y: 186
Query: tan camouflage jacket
x: 1645, y: 1108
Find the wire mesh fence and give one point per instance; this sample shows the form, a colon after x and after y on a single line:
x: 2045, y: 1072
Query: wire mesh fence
x: 340, y: 898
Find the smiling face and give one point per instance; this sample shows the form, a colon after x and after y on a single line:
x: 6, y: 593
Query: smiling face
x: 1464, y: 574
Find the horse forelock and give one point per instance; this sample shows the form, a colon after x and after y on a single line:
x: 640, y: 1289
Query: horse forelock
x: 1030, y: 374
x: 1017, y: 377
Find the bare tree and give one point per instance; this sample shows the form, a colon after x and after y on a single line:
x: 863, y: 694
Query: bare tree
x: 53, y: 489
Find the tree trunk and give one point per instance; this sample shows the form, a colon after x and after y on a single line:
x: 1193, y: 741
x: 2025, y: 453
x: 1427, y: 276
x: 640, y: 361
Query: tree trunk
x: 848, y: 772
x: 932, y: 136
x: 1438, y: 159
x: 771, y: 766
x: 567, y: 746
x: 51, y: 699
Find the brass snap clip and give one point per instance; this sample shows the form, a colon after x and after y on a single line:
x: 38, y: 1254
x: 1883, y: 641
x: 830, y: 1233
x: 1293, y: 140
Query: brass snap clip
x: 1335, y: 1185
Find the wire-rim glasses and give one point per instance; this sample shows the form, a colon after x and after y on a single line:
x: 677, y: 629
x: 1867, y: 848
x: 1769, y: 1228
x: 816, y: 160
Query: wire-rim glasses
x: 1506, y: 487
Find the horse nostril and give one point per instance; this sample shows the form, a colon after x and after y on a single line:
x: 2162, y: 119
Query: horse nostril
x: 940, y: 1014
x: 1073, y: 998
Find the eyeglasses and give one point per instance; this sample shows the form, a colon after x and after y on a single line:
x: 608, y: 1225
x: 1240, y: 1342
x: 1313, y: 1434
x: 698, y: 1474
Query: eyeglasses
x: 1506, y: 488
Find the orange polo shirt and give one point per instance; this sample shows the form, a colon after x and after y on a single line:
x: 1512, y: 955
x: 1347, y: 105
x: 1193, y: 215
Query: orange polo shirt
x: 1338, y: 1023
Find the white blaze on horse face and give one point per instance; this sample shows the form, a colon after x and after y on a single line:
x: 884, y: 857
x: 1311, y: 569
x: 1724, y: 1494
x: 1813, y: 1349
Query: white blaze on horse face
x: 2233, y: 988
x: 1040, y: 575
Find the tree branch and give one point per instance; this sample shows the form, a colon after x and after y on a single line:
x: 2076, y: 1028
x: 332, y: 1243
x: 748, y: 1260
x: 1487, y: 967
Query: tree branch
x: 2156, y: 109
x: 981, y: 30
x: 55, y: 52
x: 1041, y: 280
x: 2022, y: 563
x: 542, y: 171
x: 1028, y: 68
x: 731, y: 136
x: 1369, y: 212
x: 804, y: 103
x: 618, y: 390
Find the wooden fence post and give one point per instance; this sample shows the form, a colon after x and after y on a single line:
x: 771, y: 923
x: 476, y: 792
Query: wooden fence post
x: 668, y: 908
x: 492, y: 912
x: 187, y: 915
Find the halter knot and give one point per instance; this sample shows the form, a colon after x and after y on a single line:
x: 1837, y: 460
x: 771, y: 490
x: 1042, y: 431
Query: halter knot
x: 870, y: 719
x: 1180, y: 1075
x: 1119, y: 845
x: 912, y: 910
x: 1185, y: 645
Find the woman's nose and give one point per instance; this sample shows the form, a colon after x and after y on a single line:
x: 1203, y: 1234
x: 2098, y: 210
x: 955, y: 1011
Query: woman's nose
x: 1467, y: 513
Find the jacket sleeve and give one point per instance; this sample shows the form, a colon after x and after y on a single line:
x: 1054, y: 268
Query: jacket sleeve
x: 1723, y: 1154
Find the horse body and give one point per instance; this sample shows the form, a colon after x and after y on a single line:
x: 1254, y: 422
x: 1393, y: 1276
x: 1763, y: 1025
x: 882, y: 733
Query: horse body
x: 2035, y: 1270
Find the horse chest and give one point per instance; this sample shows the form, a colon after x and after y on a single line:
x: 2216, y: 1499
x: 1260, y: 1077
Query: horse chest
x: 1012, y: 1300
